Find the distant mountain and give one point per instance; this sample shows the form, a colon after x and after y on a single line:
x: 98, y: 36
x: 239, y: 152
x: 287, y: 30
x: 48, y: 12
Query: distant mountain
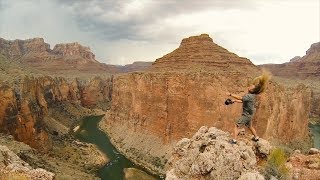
x: 135, y: 66
x: 200, y: 52
x: 35, y: 53
x: 304, y: 67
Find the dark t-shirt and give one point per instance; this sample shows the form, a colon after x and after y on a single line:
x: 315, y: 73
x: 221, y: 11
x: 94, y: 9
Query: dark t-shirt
x: 248, y: 101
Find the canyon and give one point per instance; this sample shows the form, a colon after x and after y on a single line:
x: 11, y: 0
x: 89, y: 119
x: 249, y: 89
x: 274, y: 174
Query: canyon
x: 30, y: 107
x: 149, y: 107
x: 305, y: 70
x: 40, y: 107
x: 299, y: 67
x: 67, y: 58
x: 174, y: 98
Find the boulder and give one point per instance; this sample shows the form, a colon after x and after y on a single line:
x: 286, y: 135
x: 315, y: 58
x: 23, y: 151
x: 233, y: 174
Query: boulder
x: 12, y: 164
x: 251, y: 176
x: 208, y: 154
x: 263, y: 147
x: 314, y: 151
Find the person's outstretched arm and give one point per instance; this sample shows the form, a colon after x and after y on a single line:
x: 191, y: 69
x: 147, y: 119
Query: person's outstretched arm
x: 237, y: 98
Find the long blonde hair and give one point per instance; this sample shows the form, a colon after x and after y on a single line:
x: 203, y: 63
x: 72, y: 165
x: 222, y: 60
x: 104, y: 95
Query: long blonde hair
x: 260, y: 82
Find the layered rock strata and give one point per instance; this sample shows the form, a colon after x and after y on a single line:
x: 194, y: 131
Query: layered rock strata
x: 304, y: 67
x: 29, y: 104
x: 36, y: 54
x: 200, y: 52
x: 135, y: 66
x: 304, y: 70
x: 74, y: 49
x: 18, y: 48
x: 157, y: 108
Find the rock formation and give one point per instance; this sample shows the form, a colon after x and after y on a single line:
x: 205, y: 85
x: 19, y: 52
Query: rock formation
x: 74, y: 49
x: 18, y: 48
x: 209, y: 155
x: 304, y: 70
x: 296, y: 58
x: 136, y: 174
x: 304, y: 67
x: 200, y: 52
x: 135, y: 66
x: 150, y: 110
x: 161, y: 106
x: 12, y: 167
x: 36, y: 54
x: 304, y: 166
x: 67, y: 160
x: 26, y: 103
x: 313, y: 53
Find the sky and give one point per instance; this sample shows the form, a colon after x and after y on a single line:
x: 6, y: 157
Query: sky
x: 123, y: 31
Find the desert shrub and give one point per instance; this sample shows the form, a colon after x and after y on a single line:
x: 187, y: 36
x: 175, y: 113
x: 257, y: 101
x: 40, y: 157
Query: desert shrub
x: 302, y: 145
x: 157, y: 162
x: 275, y: 165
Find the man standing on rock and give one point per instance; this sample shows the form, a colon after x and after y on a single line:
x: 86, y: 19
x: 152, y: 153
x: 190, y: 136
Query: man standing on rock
x: 256, y: 87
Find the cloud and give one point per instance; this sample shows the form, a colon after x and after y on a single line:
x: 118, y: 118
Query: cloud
x: 3, y: 4
x: 112, y: 20
x: 121, y: 32
x: 39, y: 18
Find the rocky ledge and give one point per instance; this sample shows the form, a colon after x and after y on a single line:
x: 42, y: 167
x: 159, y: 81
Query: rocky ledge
x: 69, y: 159
x: 12, y: 167
x: 303, y: 166
x: 208, y: 155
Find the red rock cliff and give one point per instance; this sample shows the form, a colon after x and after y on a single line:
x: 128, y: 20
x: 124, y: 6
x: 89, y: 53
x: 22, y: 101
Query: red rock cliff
x: 17, y: 48
x: 36, y: 54
x: 307, y: 66
x: 25, y: 103
x: 304, y: 70
x: 198, y: 52
x: 74, y: 49
x: 151, y: 110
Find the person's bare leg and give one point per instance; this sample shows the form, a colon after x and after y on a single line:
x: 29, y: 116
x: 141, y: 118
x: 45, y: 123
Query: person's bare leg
x: 235, y: 132
x: 253, y: 131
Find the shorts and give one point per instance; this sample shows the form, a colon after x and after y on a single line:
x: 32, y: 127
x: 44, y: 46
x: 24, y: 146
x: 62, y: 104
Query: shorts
x: 244, y: 120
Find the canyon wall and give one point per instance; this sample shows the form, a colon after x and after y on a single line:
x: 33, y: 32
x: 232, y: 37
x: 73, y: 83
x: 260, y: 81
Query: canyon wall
x: 135, y: 66
x: 201, y: 53
x: 74, y: 49
x: 68, y: 57
x: 44, y: 94
x: 151, y: 110
x: 156, y: 109
x: 18, y: 48
x: 304, y: 70
x: 25, y: 104
x: 304, y: 67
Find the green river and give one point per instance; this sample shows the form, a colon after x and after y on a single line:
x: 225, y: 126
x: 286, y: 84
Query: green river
x: 315, y: 130
x: 89, y: 132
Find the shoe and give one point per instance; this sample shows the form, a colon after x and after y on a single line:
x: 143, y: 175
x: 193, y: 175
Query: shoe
x: 233, y: 141
x: 255, y: 139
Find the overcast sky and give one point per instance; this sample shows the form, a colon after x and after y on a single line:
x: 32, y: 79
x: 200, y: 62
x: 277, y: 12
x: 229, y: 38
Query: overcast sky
x: 123, y: 31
